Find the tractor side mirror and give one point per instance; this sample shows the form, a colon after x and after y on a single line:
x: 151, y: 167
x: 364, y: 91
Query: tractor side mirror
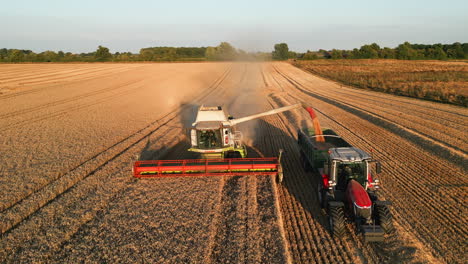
x: 378, y: 167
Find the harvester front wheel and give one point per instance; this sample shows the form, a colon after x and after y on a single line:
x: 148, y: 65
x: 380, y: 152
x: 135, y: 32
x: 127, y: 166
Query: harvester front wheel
x: 233, y: 155
x: 385, y: 219
x: 337, y: 221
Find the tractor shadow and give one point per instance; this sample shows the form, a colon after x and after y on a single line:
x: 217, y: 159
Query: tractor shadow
x: 302, y: 186
x: 296, y: 182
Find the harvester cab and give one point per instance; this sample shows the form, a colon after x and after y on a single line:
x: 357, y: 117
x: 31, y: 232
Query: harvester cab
x: 213, y: 136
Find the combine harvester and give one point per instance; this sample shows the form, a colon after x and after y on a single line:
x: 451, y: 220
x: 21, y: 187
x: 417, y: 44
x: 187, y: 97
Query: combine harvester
x: 347, y: 186
x: 214, y: 136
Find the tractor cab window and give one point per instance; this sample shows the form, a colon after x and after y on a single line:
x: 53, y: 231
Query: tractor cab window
x: 209, y: 139
x: 350, y: 171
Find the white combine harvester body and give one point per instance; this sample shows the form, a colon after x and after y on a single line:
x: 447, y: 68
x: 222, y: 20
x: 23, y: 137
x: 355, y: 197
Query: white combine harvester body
x: 213, y: 133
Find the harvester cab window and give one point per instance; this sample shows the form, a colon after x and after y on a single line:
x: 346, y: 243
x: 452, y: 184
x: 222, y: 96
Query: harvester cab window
x: 350, y: 171
x: 209, y: 139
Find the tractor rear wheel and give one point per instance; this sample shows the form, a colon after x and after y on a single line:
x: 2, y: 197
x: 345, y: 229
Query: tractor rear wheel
x: 385, y: 219
x: 337, y: 221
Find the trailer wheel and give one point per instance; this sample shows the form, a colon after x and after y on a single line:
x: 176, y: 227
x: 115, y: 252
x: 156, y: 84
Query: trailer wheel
x: 337, y: 221
x: 385, y: 219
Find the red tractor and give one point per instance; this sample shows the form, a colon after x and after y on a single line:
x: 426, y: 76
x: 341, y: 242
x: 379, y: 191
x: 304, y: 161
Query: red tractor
x: 348, y: 184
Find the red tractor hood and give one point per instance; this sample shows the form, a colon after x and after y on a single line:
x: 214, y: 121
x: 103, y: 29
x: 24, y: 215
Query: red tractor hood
x: 357, y: 195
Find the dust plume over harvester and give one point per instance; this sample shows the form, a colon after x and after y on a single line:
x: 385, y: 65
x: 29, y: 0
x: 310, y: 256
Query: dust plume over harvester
x: 214, y: 136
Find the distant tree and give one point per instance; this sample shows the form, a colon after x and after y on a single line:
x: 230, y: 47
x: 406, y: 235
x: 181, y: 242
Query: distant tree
x: 102, y: 54
x: 292, y: 55
x: 375, y: 47
x: 465, y: 49
x: 30, y: 57
x: 336, y: 54
x: 281, y: 52
x: 310, y: 56
x: 405, y: 52
x: 210, y: 53
x: 170, y: 55
x: 49, y: 56
x: 369, y: 51
x: 60, y: 55
x: 16, y: 55
x: 387, y: 53
x: 439, y: 53
x: 355, y: 54
x: 3, y: 54
x: 458, y: 51
x: 146, y: 54
x: 226, y: 51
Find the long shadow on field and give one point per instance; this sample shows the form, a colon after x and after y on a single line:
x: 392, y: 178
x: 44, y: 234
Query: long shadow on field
x: 302, y: 187
x: 379, y: 121
x: 172, y: 144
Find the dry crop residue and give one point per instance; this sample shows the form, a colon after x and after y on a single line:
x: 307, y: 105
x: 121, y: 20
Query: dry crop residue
x: 72, y: 132
x: 69, y: 195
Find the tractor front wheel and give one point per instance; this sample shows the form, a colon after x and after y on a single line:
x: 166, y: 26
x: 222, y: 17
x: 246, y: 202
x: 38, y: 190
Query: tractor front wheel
x: 385, y: 219
x: 337, y: 221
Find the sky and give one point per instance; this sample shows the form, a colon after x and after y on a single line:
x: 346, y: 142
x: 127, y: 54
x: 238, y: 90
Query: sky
x: 253, y: 25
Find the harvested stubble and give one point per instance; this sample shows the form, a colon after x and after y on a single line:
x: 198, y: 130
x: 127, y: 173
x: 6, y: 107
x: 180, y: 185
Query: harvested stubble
x: 431, y: 80
x: 103, y: 215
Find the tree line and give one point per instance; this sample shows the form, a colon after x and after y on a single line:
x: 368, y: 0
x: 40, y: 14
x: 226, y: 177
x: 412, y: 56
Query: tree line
x: 226, y: 52
x: 223, y: 52
x: 405, y: 51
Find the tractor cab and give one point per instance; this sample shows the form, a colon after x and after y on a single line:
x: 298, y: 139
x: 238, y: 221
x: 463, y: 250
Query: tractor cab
x: 349, y: 163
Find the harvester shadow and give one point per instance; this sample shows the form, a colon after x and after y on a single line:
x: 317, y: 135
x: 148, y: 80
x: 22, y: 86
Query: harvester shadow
x: 172, y: 145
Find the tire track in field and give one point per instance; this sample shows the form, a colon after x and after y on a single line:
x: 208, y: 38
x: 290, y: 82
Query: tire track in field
x: 450, y: 153
x: 367, y: 253
x: 423, y: 104
x: 14, y: 214
x: 325, y: 248
x: 417, y: 193
x: 402, y: 154
x: 35, y: 90
x: 55, y: 72
x: 425, y: 123
x: 47, y: 78
x: 67, y: 100
x: 421, y: 194
x: 308, y: 241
